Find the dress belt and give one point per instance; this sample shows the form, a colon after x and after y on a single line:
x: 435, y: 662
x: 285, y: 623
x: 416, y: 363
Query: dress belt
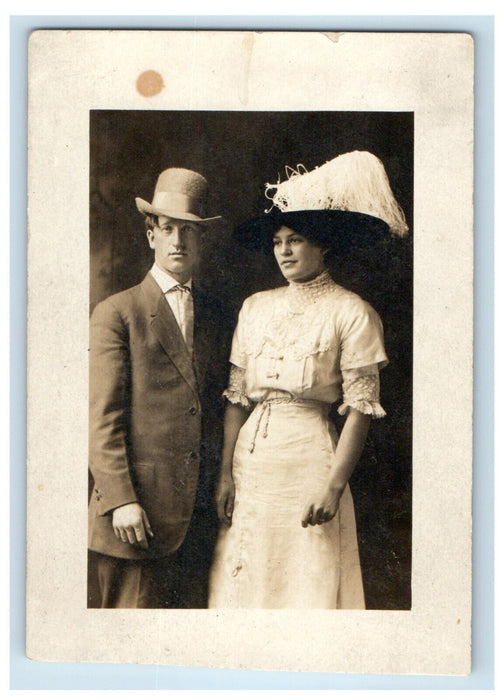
x: 264, y: 412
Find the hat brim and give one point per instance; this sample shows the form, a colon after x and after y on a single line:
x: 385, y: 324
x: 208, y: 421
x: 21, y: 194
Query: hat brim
x: 147, y: 208
x: 336, y: 229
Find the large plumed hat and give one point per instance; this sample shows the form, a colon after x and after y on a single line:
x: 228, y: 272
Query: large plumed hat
x: 180, y: 194
x: 345, y: 202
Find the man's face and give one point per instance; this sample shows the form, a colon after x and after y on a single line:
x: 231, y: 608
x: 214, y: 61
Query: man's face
x: 177, y: 246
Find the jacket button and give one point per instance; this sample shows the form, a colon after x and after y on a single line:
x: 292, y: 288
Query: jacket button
x: 193, y: 411
x: 193, y: 455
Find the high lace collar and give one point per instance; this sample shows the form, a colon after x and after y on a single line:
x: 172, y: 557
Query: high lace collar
x: 312, y: 289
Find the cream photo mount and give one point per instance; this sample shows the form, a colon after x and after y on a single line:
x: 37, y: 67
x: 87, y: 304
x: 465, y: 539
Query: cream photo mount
x: 429, y: 75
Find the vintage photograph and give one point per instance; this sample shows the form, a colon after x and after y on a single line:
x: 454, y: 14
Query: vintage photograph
x: 249, y: 429
x: 250, y: 359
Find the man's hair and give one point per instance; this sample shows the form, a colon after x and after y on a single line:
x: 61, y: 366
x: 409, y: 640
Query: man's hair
x: 150, y: 221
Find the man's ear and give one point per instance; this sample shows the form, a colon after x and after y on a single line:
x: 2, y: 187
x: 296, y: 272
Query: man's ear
x: 150, y: 237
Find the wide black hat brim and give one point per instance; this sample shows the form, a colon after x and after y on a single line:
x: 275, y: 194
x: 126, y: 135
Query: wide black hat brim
x: 334, y: 229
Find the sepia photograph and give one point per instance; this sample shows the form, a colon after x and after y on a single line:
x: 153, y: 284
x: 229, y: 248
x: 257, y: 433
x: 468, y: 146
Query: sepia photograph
x: 256, y: 458
x: 249, y: 432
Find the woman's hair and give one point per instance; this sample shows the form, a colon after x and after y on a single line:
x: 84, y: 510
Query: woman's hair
x: 317, y: 235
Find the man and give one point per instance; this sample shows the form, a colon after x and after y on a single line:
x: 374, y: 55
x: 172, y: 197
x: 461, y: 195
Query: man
x: 158, y: 358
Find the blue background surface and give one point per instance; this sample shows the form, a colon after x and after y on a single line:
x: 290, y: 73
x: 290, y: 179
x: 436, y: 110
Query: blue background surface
x: 26, y: 674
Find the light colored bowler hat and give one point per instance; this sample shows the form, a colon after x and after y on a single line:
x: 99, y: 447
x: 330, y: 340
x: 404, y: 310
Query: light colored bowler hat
x: 180, y: 194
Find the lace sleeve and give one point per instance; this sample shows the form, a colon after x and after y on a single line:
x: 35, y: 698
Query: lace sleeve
x: 236, y: 391
x: 362, y: 392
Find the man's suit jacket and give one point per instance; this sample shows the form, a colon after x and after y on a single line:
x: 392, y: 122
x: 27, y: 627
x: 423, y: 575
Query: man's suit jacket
x: 155, y: 415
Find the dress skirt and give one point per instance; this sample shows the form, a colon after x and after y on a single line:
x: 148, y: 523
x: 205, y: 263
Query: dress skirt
x: 266, y: 559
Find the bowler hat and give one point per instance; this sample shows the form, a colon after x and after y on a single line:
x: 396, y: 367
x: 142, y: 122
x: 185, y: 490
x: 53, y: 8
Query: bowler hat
x: 180, y: 194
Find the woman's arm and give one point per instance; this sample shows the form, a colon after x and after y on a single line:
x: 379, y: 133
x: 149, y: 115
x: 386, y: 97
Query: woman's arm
x: 323, y: 505
x: 234, y: 417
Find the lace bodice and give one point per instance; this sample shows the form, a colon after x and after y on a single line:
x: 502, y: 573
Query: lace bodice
x: 302, y: 339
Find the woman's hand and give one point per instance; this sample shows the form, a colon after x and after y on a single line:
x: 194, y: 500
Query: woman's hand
x: 224, y: 498
x: 322, y: 507
x: 234, y: 417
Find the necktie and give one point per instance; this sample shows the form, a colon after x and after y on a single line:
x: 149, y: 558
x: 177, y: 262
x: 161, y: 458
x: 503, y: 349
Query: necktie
x: 186, y: 307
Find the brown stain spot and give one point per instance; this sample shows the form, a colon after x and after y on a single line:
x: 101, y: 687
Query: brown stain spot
x: 41, y: 487
x: 458, y: 621
x: 149, y: 83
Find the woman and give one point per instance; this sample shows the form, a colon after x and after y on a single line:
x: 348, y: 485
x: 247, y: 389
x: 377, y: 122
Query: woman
x: 288, y: 537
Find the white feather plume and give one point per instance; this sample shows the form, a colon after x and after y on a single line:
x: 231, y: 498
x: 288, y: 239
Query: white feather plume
x: 354, y: 181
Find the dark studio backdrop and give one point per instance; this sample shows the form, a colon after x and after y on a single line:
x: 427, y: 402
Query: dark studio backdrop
x: 238, y: 152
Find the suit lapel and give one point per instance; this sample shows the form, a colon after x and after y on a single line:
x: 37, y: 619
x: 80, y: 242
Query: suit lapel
x: 166, y: 329
x: 202, y: 336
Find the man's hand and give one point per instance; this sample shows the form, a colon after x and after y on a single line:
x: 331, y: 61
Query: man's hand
x: 130, y: 523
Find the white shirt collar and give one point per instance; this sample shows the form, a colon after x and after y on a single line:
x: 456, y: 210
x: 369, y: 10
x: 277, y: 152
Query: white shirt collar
x: 166, y: 281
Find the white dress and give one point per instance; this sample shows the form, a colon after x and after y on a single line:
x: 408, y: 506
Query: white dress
x: 295, y: 351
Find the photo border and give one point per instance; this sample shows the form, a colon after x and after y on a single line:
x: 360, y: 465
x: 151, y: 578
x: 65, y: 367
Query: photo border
x: 29, y: 674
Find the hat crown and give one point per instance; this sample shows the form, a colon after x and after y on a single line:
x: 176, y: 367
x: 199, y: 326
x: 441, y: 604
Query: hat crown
x: 179, y: 194
x: 182, y: 181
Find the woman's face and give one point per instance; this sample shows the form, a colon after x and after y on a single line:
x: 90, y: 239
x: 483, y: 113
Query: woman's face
x: 299, y: 259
